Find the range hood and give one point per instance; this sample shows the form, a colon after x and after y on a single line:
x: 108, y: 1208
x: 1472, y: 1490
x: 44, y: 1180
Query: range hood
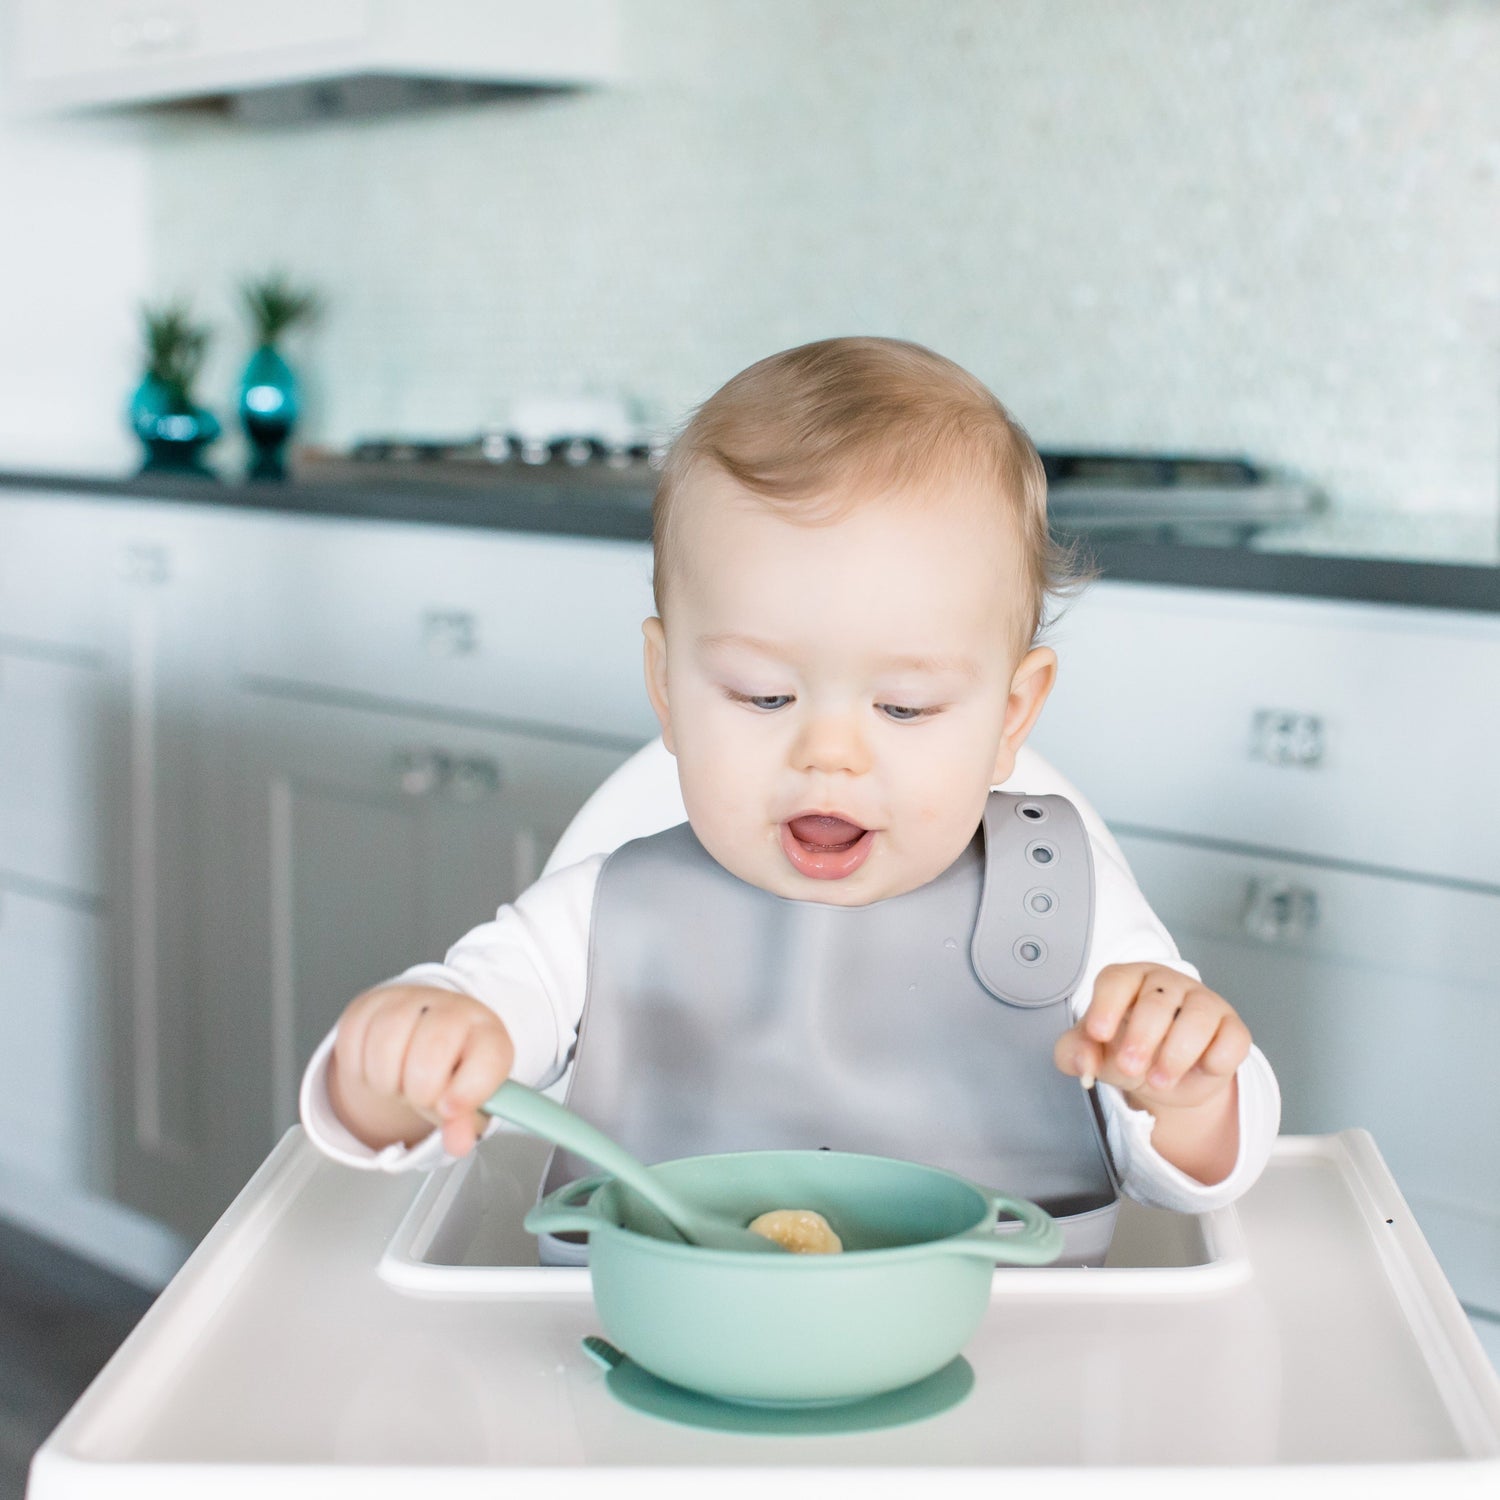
x: 291, y: 59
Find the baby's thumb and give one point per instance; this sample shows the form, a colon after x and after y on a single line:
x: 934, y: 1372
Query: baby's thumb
x: 1077, y: 1055
x: 484, y: 1066
x: 461, y: 1133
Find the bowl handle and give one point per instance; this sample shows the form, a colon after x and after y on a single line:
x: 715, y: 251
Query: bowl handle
x: 564, y: 1211
x: 1039, y: 1240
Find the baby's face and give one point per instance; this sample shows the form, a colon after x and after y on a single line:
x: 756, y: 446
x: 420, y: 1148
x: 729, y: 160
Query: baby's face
x: 840, y: 697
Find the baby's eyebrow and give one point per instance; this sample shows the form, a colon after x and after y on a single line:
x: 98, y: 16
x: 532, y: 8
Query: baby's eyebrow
x: 936, y: 666
x: 742, y: 642
x: 959, y: 666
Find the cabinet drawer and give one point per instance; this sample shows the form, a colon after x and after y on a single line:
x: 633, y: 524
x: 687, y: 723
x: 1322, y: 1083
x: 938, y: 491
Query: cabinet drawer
x: 52, y: 770
x: 1358, y: 732
x: 50, y: 968
x: 57, y: 556
x: 526, y: 630
x: 1376, y: 1000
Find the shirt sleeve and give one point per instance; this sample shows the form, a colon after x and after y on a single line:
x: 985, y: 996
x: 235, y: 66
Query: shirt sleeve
x: 529, y: 965
x: 1126, y: 930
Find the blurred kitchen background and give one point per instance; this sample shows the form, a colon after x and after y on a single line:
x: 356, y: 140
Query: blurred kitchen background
x: 1176, y: 225
x: 1236, y: 268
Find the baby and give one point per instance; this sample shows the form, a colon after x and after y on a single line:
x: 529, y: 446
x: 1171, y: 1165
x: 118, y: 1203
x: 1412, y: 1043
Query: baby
x: 852, y: 565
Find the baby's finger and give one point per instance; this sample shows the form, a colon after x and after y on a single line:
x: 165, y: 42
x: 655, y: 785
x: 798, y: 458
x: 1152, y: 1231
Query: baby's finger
x: 349, y: 1038
x: 461, y: 1134
x: 437, y: 1042
x: 1150, y: 1018
x: 388, y: 1035
x: 484, y: 1065
x: 1229, y: 1048
x: 1187, y: 1040
x: 1077, y: 1056
x: 1114, y: 993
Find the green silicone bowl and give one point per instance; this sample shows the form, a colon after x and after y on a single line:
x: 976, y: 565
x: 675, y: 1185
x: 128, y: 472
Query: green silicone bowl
x: 906, y: 1294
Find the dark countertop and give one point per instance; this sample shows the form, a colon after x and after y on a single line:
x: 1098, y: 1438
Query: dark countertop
x: 1424, y: 562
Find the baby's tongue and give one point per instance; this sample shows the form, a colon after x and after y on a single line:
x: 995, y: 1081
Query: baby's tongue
x: 825, y: 833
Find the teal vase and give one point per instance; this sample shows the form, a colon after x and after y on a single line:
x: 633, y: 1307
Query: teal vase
x: 173, y: 430
x: 269, y: 404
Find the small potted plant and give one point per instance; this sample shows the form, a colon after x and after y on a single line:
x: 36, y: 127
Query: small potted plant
x: 163, y: 411
x: 269, y: 399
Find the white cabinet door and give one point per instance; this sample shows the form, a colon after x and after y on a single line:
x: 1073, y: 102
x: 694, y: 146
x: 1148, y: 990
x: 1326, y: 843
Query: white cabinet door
x: 164, y: 1132
x: 50, y: 961
x: 524, y: 630
x: 1376, y: 1000
x: 362, y: 842
x: 56, y: 683
x: 54, y: 766
x: 1345, y: 731
x: 60, y: 762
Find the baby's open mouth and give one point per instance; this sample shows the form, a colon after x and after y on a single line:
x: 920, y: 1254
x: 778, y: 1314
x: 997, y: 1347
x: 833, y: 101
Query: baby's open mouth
x: 824, y: 846
x: 819, y: 834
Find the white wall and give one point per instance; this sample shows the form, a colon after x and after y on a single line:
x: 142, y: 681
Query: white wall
x: 1204, y: 224
x: 73, y: 268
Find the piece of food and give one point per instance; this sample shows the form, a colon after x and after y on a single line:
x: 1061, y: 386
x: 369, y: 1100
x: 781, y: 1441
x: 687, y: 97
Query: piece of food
x: 802, y: 1230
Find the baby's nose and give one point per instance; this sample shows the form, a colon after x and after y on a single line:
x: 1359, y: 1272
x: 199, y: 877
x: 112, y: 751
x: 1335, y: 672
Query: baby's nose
x: 831, y: 742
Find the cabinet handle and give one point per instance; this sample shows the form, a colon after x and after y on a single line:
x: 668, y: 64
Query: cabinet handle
x: 163, y: 30
x: 1276, y: 911
x: 1282, y: 738
x: 450, y: 632
x: 145, y: 564
x: 426, y: 772
x: 472, y: 778
x: 421, y: 773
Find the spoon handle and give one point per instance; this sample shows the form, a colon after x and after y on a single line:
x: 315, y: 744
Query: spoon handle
x: 554, y: 1122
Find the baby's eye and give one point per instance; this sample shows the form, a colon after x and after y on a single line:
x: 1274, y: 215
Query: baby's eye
x: 767, y: 702
x: 902, y: 714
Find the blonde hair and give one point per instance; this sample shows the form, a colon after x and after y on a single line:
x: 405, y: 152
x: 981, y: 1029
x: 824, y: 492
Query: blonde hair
x: 851, y: 416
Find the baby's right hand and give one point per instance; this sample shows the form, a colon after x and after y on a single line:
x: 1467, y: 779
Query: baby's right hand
x: 407, y: 1057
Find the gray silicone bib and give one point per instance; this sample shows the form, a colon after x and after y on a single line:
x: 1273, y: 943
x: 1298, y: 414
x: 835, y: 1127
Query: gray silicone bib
x: 720, y: 1017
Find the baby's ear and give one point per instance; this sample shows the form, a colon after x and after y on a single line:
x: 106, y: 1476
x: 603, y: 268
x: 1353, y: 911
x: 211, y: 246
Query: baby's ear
x: 656, y: 676
x: 1029, y: 686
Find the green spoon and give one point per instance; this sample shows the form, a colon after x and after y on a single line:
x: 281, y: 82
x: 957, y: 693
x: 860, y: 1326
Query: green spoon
x: 545, y: 1117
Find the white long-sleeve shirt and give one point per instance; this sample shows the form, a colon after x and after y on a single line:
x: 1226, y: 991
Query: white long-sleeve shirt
x: 530, y: 966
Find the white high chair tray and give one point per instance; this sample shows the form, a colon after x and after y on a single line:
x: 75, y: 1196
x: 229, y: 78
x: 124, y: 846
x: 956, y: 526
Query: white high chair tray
x: 1314, y: 1346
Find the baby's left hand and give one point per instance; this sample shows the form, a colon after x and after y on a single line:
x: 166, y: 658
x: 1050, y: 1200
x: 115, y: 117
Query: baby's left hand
x: 1166, y: 1040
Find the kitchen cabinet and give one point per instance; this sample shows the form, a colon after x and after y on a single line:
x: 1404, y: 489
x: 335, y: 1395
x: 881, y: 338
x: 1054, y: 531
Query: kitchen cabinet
x: 56, y: 749
x: 51, y: 958
x: 102, y: 724
x: 54, y: 671
x: 363, y: 842
x: 515, y: 630
x: 250, y: 764
x: 52, y: 732
x: 405, y: 719
x: 170, y: 1155
x: 1342, y: 730
x: 1301, y: 790
x: 1375, y: 999
x: 79, y: 53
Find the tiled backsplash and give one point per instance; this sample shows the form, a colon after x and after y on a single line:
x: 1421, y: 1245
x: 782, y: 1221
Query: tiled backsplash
x: 1199, y: 224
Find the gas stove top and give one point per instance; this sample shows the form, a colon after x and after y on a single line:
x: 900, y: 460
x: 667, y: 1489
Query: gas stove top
x: 1225, y: 496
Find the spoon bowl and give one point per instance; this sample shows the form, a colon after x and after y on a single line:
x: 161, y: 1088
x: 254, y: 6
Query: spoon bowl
x: 556, y: 1123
